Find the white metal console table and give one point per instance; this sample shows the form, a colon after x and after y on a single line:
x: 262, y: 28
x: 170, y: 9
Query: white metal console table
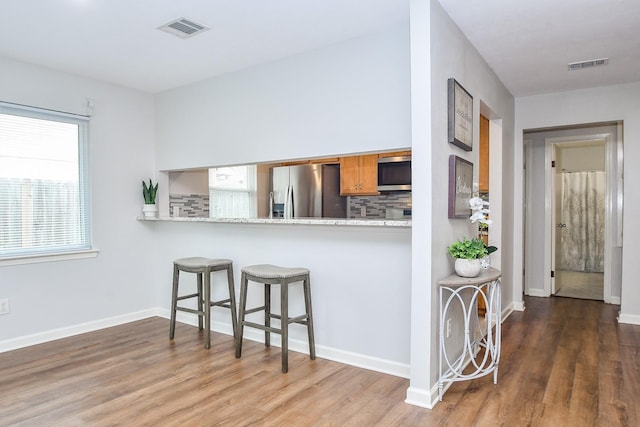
x: 481, y: 347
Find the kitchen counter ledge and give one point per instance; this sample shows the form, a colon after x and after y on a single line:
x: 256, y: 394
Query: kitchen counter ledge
x: 298, y: 221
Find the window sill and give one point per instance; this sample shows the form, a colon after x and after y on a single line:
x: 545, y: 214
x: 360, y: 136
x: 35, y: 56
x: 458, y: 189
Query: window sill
x: 33, y: 259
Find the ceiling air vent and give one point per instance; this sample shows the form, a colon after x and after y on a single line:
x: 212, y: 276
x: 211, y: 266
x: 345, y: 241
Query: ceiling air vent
x: 183, y: 28
x: 588, y: 64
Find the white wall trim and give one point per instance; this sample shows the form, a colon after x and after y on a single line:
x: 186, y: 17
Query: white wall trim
x: 506, y: 312
x: 631, y: 319
x: 422, y: 398
x: 518, y: 306
x: 615, y: 301
x: 348, y: 358
x: 55, y: 334
x: 542, y: 293
x: 34, y: 259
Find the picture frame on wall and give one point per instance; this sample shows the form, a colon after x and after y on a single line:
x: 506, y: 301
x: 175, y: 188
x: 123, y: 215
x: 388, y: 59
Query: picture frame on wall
x: 460, y: 113
x: 460, y: 187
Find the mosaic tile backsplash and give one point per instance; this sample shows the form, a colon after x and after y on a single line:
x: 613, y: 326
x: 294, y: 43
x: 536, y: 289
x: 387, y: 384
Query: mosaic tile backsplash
x: 197, y: 205
x: 189, y: 205
x: 376, y: 206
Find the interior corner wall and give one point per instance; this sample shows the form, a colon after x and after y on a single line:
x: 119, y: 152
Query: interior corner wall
x: 452, y: 55
x: 595, y: 105
x: 349, y: 97
x: 419, y: 392
x: 57, y: 295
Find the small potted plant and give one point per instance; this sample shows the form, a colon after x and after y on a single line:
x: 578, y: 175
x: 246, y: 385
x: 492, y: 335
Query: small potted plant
x: 467, y: 254
x: 149, y: 210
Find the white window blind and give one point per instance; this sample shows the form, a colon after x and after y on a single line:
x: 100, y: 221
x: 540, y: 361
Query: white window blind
x: 232, y: 192
x: 44, y: 191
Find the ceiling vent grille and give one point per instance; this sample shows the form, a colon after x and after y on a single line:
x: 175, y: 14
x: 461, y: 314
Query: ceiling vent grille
x: 183, y: 28
x: 588, y: 64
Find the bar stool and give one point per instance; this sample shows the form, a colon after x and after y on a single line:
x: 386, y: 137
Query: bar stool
x: 273, y: 275
x: 203, y: 267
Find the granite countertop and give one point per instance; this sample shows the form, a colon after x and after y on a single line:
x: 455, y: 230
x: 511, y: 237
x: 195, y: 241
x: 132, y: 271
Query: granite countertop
x: 361, y: 222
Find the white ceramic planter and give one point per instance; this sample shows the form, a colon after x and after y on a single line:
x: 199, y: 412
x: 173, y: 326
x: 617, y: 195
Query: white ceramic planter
x: 467, y: 267
x: 150, y: 211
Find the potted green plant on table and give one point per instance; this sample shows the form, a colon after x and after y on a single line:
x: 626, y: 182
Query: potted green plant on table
x: 149, y: 210
x: 467, y: 254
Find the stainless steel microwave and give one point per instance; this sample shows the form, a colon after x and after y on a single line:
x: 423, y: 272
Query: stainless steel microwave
x: 394, y: 173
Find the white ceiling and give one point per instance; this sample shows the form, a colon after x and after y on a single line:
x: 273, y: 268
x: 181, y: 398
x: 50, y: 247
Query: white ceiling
x: 527, y: 43
x: 118, y: 41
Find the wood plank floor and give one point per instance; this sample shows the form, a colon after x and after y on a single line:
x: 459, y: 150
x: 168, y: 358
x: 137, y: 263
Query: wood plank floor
x: 564, y: 362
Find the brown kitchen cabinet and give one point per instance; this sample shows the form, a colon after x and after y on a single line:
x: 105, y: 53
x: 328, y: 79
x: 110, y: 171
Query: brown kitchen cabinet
x: 359, y: 175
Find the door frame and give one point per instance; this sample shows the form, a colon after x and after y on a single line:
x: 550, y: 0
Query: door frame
x: 611, y: 154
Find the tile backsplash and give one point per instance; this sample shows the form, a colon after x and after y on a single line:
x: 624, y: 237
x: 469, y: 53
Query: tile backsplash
x: 190, y: 205
x: 197, y: 205
x: 376, y: 206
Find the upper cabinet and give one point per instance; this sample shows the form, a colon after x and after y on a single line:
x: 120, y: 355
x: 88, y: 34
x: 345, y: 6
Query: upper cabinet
x: 359, y: 175
x: 404, y: 153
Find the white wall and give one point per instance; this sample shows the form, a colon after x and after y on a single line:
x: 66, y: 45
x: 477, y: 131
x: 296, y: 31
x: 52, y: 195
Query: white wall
x: 453, y: 56
x: 602, y: 104
x: 419, y: 392
x: 581, y: 158
x: 119, y: 281
x: 189, y: 182
x: 346, y: 98
x: 360, y: 280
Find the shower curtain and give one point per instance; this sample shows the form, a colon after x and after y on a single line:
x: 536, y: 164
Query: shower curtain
x: 582, y: 240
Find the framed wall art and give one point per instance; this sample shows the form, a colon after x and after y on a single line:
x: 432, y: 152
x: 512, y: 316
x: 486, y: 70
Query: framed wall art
x: 460, y: 115
x: 460, y: 187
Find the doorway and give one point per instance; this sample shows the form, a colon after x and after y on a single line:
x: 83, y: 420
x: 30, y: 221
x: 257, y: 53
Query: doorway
x: 578, y: 219
x: 573, y: 244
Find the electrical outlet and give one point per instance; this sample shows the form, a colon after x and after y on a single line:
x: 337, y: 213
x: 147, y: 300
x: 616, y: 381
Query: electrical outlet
x: 4, y: 306
x: 363, y: 211
x: 448, y: 328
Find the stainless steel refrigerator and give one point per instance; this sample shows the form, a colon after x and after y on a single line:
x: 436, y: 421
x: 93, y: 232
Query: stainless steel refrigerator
x: 306, y: 191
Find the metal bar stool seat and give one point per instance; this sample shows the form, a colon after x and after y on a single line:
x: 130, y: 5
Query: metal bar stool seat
x: 202, y: 267
x: 273, y: 275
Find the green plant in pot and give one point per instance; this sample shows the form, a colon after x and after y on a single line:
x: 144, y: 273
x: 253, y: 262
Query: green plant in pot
x: 467, y: 254
x: 149, y: 193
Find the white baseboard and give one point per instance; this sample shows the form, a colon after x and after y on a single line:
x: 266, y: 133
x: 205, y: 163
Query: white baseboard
x: 54, y: 334
x: 348, y: 358
x: 518, y: 306
x: 537, y: 293
x: 506, y: 312
x: 359, y: 360
x: 421, y: 397
x: 615, y: 301
x: 631, y: 319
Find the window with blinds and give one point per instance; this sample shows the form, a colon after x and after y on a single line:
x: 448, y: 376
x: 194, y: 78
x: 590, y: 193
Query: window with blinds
x: 44, y: 191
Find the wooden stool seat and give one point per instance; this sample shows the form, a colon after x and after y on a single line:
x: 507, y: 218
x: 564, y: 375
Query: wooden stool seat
x: 268, y: 275
x: 202, y: 267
